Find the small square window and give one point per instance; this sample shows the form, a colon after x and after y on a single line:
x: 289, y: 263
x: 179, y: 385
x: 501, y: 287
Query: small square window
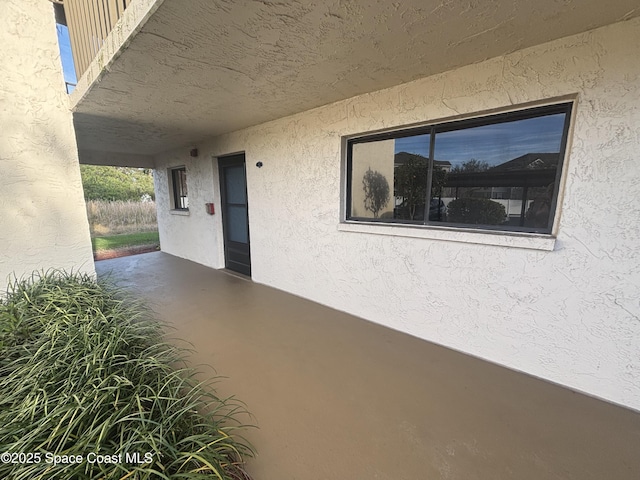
x: 499, y: 172
x: 179, y: 188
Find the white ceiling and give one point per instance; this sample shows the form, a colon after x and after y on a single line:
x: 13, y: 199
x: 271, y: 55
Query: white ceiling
x: 200, y: 68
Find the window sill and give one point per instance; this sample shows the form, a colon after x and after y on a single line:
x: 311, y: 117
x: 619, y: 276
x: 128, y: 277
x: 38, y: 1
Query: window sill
x: 180, y: 212
x: 531, y: 241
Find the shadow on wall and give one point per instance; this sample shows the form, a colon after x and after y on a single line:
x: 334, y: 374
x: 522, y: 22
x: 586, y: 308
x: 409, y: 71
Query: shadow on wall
x: 92, y: 129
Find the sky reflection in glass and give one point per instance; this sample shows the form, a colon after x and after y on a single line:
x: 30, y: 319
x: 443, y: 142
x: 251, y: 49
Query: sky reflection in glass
x: 494, y: 144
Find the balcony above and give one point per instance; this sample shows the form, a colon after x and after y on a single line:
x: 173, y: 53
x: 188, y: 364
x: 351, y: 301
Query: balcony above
x: 171, y: 72
x: 89, y: 24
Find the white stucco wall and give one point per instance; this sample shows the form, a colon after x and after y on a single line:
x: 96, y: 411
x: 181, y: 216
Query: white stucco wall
x: 567, y: 311
x: 194, y: 234
x: 43, y: 222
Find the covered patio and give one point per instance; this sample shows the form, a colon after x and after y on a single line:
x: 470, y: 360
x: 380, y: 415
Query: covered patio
x: 337, y: 397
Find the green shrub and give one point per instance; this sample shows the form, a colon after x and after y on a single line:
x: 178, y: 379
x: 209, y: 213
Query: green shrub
x: 476, y: 211
x: 102, y: 182
x: 84, y: 370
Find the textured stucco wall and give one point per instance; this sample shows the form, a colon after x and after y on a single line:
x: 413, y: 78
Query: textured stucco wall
x: 194, y: 235
x: 43, y: 222
x: 570, y: 315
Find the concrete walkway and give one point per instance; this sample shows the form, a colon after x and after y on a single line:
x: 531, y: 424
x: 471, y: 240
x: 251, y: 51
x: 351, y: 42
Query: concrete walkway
x: 337, y: 397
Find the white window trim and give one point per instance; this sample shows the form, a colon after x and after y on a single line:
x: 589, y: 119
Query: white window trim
x: 531, y: 241
x: 184, y: 213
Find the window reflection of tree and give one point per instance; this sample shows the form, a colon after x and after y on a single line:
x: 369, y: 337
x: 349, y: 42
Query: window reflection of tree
x: 376, y: 191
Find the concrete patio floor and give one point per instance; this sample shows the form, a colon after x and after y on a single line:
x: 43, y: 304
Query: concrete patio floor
x: 337, y: 397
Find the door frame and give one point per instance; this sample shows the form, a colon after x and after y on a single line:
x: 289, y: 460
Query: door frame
x: 231, y: 248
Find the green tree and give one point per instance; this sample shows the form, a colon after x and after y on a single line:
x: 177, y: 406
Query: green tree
x: 438, y: 179
x: 410, y: 183
x: 470, y: 166
x: 116, y: 183
x: 376, y: 191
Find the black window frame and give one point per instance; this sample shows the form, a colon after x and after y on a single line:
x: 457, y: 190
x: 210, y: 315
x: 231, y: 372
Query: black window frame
x: 433, y: 129
x: 179, y: 189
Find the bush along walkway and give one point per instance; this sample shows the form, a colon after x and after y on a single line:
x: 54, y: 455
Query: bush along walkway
x: 88, y: 389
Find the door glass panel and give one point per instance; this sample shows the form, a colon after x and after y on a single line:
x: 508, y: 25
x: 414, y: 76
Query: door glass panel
x: 235, y: 184
x: 237, y: 223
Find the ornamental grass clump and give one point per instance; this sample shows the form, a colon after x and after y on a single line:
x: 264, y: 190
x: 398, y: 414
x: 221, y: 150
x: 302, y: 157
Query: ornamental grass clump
x: 88, y: 390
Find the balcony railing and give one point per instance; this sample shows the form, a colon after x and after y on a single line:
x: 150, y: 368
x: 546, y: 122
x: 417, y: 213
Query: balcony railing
x: 89, y: 23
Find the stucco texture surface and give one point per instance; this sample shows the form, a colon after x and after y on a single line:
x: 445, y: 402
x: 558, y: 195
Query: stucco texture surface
x: 174, y: 72
x: 43, y: 223
x: 569, y: 315
x: 193, y: 235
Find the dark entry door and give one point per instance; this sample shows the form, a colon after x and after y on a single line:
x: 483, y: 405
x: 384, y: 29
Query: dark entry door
x: 235, y: 213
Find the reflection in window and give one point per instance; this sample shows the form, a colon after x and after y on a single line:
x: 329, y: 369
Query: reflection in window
x: 498, y: 172
x: 389, y: 178
x: 504, y: 173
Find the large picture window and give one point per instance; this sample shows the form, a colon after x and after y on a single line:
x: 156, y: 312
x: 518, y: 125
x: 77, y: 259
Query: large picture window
x: 499, y: 172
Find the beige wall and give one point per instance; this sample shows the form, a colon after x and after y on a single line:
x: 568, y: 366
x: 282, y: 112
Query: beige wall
x: 43, y: 223
x: 379, y: 157
x: 562, y: 308
x: 193, y: 234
